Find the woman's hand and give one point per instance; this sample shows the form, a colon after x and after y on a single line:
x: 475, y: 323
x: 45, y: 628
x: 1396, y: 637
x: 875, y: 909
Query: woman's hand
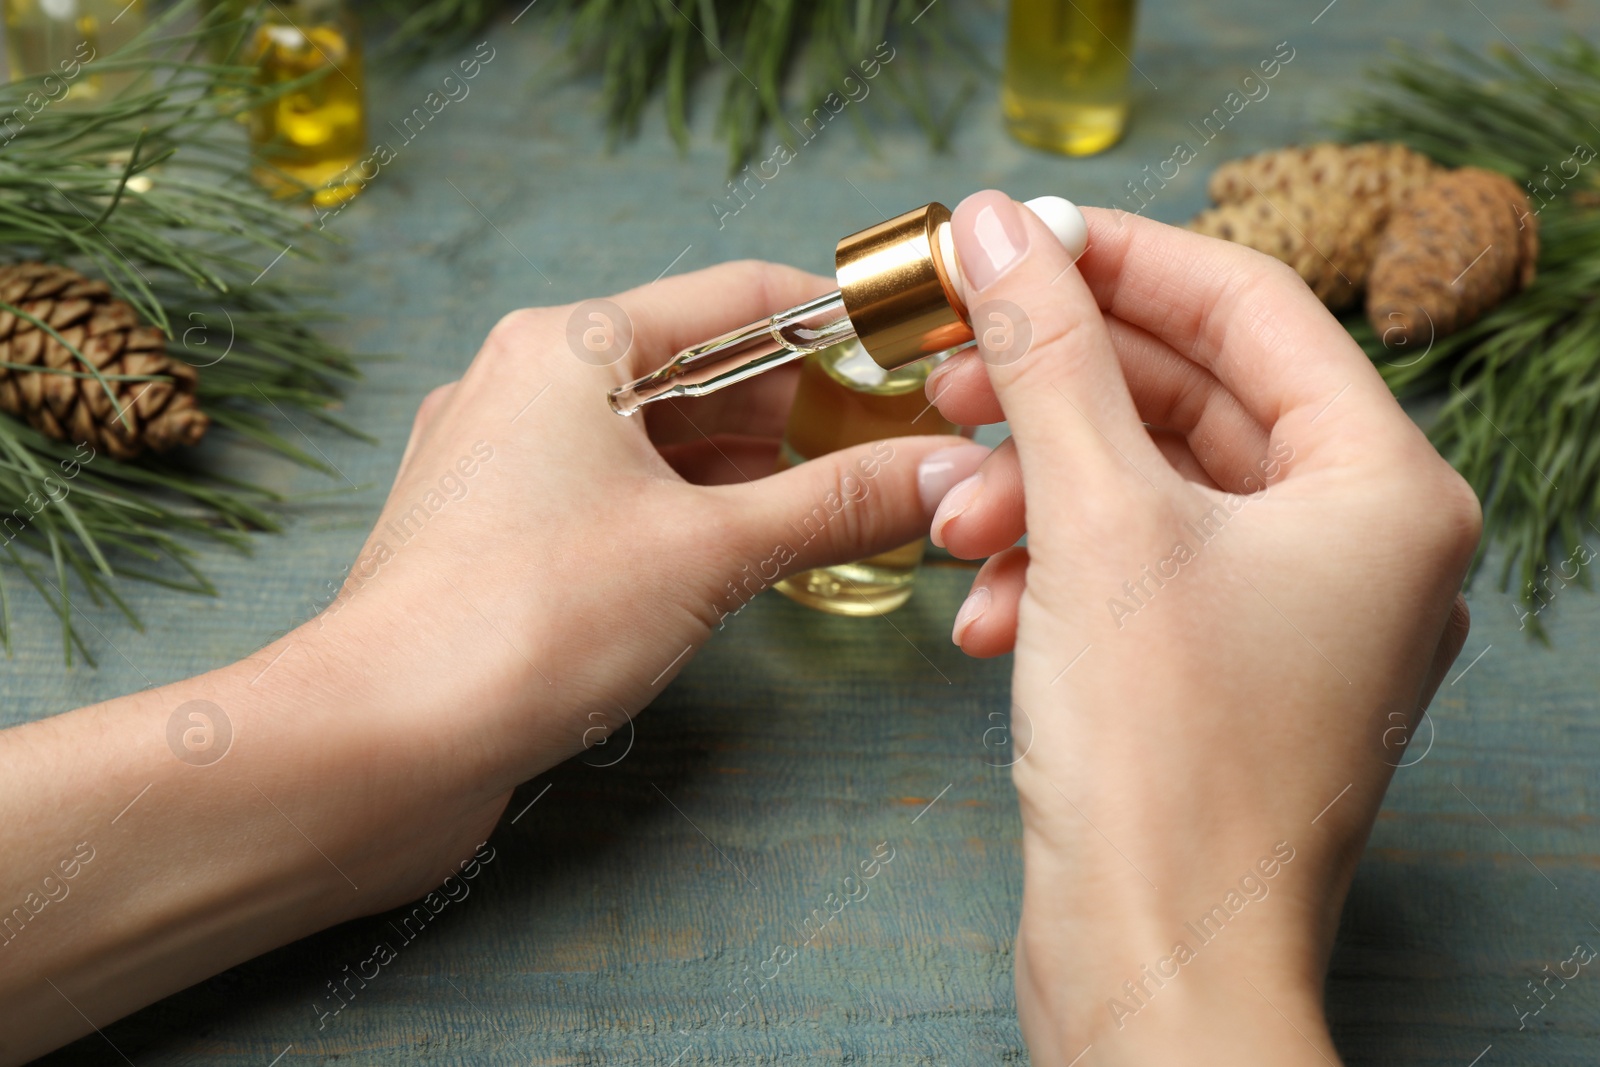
x: 589, y: 555
x: 1241, y: 564
x: 542, y: 569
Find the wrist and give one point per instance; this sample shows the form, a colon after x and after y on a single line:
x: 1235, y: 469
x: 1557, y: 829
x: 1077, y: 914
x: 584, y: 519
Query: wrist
x: 1200, y: 970
x: 364, y: 762
x: 1218, y: 1008
x: 490, y: 678
x: 418, y: 684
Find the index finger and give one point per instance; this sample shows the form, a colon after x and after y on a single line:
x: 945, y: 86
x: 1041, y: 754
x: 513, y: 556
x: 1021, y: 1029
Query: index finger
x: 671, y: 314
x: 1244, y: 316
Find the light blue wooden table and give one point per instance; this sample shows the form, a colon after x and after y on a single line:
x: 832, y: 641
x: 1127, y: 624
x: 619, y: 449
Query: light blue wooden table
x: 622, y: 906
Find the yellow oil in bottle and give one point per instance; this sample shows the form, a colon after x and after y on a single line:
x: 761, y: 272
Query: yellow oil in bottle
x: 845, y: 399
x: 1065, y: 87
x: 65, y: 39
x: 316, y: 132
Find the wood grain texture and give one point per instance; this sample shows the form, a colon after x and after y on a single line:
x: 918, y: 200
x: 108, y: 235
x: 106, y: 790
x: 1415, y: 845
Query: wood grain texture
x: 626, y: 901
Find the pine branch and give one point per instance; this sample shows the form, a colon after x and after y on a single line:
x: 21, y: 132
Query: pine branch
x: 419, y: 30
x: 767, y: 56
x: 149, y: 190
x: 1521, y: 415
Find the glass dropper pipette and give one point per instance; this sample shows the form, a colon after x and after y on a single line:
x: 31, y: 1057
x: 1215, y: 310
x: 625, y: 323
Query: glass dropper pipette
x: 741, y: 354
x: 901, y: 293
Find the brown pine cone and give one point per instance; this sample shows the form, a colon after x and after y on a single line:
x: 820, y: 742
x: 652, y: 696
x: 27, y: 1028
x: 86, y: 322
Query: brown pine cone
x: 1370, y: 169
x: 162, y: 414
x: 1327, y: 241
x: 1319, y: 208
x: 1452, y: 252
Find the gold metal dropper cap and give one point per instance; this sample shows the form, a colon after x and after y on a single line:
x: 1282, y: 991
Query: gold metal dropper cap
x: 897, y: 289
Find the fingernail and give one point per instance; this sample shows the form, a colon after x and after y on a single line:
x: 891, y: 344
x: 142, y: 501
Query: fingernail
x: 933, y: 386
x: 957, y: 500
x: 939, y: 472
x: 972, y: 610
x: 943, y: 470
x: 990, y: 237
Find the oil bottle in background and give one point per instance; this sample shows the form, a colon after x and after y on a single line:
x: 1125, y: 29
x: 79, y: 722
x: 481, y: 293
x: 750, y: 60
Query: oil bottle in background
x: 844, y: 399
x: 64, y: 38
x: 317, y: 131
x: 1065, y: 87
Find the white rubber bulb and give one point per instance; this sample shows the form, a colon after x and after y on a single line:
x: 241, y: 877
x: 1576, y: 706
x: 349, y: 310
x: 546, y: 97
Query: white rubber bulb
x: 1064, y: 220
x: 1059, y: 214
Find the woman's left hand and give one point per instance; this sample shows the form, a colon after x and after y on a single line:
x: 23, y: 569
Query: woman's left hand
x: 566, y: 579
x: 542, y: 568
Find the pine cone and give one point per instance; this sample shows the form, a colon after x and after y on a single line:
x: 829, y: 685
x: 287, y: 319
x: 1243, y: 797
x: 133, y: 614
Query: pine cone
x: 1319, y: 208
x: 163, y: 414
x: 1328, y: 242
x: 1370, y: 169
x: 1457, y: 248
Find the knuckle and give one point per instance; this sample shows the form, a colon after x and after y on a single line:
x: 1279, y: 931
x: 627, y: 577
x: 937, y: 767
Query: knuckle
x: 1255, y: 271
x: 841, y: 517
x: 1445, y: 516
x: 1270, y: 271
x: 1459, y: 624
x: 760, y: 268
x: 1255, y: 287
x: 513, y: 330
x: 860, y: 524
x: 430, y: 406
x: 1460, y: 512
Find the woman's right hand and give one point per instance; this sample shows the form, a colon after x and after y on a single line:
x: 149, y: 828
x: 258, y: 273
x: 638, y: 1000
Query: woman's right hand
x: 1239, y: 593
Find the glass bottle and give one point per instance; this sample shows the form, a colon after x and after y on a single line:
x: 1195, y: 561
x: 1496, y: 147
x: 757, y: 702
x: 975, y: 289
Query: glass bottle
x: 315, y: 132
x: 1065, y: 87
x: 64, y: 38
x: 844, y: 398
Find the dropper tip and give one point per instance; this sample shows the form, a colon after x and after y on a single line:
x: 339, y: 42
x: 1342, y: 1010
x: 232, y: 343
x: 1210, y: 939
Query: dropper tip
x: 624, y: 400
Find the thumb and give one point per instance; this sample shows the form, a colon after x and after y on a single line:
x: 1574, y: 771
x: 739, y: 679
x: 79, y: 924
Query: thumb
x: 1049, y: 353
x: 843, y: 506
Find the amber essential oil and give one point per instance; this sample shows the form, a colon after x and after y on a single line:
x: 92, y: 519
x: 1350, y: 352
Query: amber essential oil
x: 64, y: 38
x: 1065, y: 87
x: 845, y: 399
x: 316, y: 132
